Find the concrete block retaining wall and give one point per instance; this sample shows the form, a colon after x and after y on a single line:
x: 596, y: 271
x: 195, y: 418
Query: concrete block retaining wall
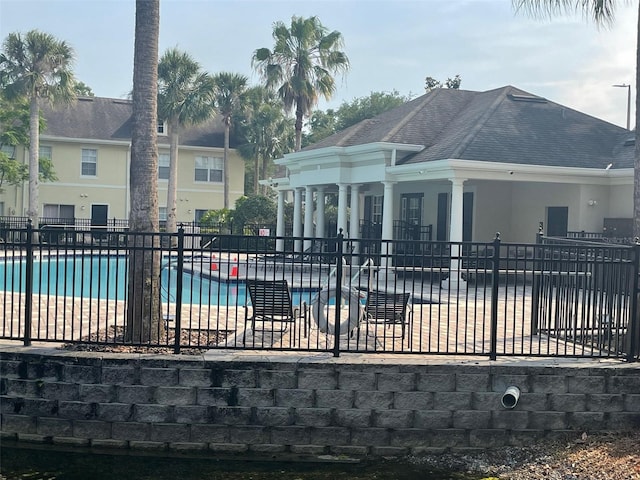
x: 305, y: 405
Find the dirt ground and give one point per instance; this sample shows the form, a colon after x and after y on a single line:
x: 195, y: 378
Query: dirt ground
x: 590, y: 457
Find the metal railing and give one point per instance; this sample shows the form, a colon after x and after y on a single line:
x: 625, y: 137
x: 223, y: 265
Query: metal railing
x: 550, y: 298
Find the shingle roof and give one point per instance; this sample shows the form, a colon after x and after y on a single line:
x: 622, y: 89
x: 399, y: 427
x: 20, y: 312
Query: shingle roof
x: 98, y: 118
x: 503, y: 125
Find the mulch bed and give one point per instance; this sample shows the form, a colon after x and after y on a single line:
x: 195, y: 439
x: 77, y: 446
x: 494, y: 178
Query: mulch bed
x: 192, y: 341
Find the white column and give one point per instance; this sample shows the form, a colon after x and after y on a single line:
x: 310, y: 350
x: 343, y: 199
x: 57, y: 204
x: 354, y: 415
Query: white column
x: 387, y: 222
x: 280, y: 221
x: 320, y: 224
x: 455, y: 233
x: 342, y: 207
x: 297, y: 218
x: 308, y: 216
x: 354, y: 220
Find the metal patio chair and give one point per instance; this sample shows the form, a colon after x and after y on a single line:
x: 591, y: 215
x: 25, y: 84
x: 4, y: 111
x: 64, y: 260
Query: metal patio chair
x: 271, y: 303
x: 390, y: 309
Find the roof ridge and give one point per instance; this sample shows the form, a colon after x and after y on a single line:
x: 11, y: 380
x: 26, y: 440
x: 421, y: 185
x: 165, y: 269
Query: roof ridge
x: 483, y: 119
x: 428, y: 99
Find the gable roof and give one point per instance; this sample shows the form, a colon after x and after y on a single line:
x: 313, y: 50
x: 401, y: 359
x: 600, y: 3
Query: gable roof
x: 505, y: 125
x: 99, y: 118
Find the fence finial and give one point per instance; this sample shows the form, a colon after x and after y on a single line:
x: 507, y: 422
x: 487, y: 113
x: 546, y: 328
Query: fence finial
x: 540, y: 228
x: 497, y: 237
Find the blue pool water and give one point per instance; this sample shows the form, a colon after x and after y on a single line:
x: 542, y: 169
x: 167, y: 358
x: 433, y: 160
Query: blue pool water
x: 106, y: 278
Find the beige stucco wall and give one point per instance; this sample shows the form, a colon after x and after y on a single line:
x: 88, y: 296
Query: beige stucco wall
x: 110, y: 186
x: 621, y: 201
x: 515, y: 208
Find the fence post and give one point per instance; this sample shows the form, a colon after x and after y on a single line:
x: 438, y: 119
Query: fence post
x: 28, y: 307
x: 179, y: 273
x: 339, y: 258
x: 494, y: 297
x: 536, y: 281
x: 634, y: 320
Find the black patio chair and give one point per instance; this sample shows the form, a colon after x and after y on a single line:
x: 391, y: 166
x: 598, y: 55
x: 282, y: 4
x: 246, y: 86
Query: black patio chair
x: 390, y: 309
x: 271, y: 303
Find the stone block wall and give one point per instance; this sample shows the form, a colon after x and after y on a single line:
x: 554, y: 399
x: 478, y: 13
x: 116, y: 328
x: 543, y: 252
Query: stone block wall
x: 307, y: 406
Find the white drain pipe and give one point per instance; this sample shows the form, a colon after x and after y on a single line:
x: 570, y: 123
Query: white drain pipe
x: 510, y: 397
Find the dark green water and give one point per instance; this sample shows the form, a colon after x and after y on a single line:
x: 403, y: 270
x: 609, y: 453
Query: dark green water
x: 19, y: 463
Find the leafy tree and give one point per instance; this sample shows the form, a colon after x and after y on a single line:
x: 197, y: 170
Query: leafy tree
x: 143, y: 306
x: 323, y: 124
x: 431, y: 83
x: 36, y: 66
x: 83, y: 90
x: 185, y: 97
x: 254, y: 209
x: 602, y: 13
x: 216, y: 217
x: 229, y: 91
x: 266, y: 134
x: 301, y: 64
x: 14, y: 130
x: 362, y: 108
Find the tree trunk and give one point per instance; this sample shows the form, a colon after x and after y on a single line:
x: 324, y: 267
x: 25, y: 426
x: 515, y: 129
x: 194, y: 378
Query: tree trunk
x: 33, y: 209
x: 299, y: 119
x: 172, y: 188
x: 225, y: 162
x: 636, y: 164
x: 143, y: 307
x: 256, y: 174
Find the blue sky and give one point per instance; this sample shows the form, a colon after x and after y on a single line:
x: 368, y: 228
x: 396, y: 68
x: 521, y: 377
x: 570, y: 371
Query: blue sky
x: 391, y: 44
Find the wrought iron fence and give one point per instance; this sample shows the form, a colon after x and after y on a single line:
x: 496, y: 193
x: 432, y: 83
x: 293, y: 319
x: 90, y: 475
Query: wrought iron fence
x: 550, y: 298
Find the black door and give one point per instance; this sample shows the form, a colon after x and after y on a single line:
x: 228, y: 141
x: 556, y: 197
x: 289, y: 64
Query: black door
x: 443, y: 217
x: 467, y: 216
x: 99, y: 215
x: 557, y: 221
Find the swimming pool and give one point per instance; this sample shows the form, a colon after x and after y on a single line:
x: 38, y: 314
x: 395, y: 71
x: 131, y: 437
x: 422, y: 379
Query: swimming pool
x: 105, y: 277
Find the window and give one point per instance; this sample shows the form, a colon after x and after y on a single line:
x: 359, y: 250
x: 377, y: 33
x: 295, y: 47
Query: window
x: 162, y: 214
x: 9, y: 150
x: 162, y: 128
x: 89, y: 162
x: 199, y: 214
x: 163, y: 166
x: 45, y: 152
x: 208, y: 169
x: 376, y: 209
x: 55, y: 211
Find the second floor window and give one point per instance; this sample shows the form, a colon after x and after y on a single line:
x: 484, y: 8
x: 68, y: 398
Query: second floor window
x: 163, y: 166
x: 45, y: 152
x: 208, y: 169
x: 9, y: 150
x: 89, y: 162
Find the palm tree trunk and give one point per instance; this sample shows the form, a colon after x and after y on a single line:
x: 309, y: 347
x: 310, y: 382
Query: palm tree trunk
x: 636, y: 165
x: 225, y: 163
x: 172, y: 188
x: 256, y: 174
x: 143, y: 307
x: 299, y: 117
x: 33, y: 209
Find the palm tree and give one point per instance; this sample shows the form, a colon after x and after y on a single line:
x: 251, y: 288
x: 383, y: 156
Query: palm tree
x: 230, y: 88
x: 301, y: 65
x: 185, y: 95
x: 36, y: 66
x: 266, y: 132
x: 143, y: 306
x: 602, y: 13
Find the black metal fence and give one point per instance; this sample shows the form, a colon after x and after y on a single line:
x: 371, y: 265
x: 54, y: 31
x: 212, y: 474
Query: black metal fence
x: 550, y: 298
